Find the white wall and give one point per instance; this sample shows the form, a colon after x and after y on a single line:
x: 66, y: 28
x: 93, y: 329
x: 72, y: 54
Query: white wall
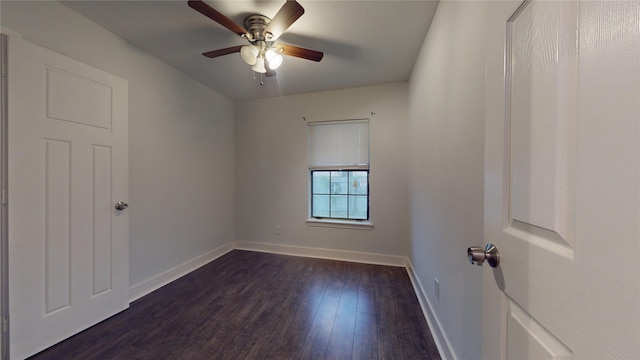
x: 446, y: 171
x: 181, y: 140
x: 272, y: 169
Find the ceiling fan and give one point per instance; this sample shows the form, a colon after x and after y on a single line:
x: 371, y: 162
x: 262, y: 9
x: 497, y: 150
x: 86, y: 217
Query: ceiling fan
x: 262, y: 53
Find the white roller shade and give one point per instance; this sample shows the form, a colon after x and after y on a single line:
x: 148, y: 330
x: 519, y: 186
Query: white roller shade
x: 339, y: 144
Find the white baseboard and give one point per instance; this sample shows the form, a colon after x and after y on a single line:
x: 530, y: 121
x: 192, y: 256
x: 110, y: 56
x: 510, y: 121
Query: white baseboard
x: 145, y: 287
x: 439, y: 336
x: 359, y: 257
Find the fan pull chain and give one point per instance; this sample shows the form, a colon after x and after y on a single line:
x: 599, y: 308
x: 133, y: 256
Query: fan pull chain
x: 261, y: 78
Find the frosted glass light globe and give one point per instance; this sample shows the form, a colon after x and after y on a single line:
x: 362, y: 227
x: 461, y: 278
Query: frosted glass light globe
x: 259, y: 66
x: 249, y: 54
x: 273, y: 58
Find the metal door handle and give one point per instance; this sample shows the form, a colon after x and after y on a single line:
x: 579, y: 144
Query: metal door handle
x: 121, y: 205
x: 478, y: 255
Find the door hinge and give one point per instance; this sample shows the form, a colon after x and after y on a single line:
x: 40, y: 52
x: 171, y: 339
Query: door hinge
x: 5, y: 325
x: 4, y: 197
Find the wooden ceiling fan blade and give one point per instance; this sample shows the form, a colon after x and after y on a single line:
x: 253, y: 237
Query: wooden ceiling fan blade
x: 287, y: 15
x: 220, y: 52
x: 300, y: 52
x: 213, y: 14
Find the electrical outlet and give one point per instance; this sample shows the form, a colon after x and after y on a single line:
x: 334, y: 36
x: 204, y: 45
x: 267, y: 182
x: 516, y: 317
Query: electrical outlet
x: 436, y: 287
x: 276, y: 230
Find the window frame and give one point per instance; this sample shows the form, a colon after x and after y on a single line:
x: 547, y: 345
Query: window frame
x: 356, y: 159
x: 330, y: 218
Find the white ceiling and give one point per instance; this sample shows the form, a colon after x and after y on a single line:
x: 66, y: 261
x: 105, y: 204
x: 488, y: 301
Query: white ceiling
x: 364, y: 42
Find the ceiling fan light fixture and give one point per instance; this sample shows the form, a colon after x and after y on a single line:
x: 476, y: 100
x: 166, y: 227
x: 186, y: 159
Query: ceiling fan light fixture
x: 262, y: 55
x: 274, y: 60
x: 249, y: 54
x: 259, y: 66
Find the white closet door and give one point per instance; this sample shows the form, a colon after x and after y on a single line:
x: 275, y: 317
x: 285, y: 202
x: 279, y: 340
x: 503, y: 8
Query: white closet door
x: 68, y: 166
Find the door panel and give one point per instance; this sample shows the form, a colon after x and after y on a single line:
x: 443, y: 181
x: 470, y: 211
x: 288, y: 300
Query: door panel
x: 68, y: 245
x: 102, y: 244
x: 65, y: 89
x: 541, y: 73
x: 562, y: 181
x: 57, y: 237
x: 526, y: 333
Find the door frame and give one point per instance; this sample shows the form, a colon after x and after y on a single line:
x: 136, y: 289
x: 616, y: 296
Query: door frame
x: 4, y: 218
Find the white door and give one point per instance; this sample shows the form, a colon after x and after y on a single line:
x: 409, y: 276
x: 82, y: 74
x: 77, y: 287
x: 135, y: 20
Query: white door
x: 68, y: 245
x: 562, y: 180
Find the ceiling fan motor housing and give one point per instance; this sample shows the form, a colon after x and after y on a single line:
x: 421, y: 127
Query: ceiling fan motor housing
x: 256, y: 25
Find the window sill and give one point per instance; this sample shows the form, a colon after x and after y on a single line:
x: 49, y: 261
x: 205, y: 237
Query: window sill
x: 341, y: 224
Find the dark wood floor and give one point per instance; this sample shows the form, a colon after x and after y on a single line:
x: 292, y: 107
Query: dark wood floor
x: 250, y: 305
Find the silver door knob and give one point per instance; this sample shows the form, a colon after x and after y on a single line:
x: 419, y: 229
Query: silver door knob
x: 121, y: 205
x: 478, y: 255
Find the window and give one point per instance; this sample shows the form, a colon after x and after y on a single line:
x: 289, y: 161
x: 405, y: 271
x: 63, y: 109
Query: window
x: 339, y: 170
x: 342, y: 194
